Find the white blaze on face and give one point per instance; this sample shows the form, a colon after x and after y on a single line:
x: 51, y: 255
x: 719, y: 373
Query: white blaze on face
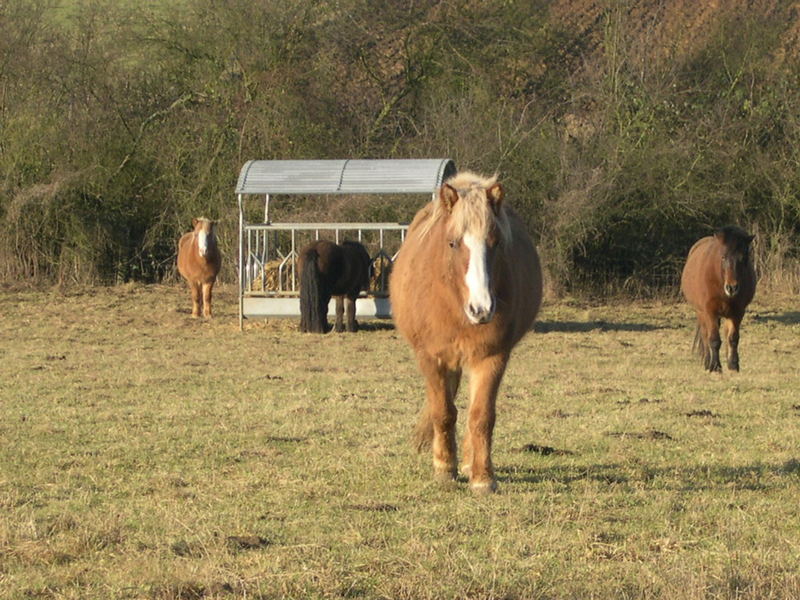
x: 479, y: 307
x: 202, y: 242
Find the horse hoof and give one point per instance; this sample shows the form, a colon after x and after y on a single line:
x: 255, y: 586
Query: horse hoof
x: 466, y: 470
x: 483, y: 488
x: 445, y: 476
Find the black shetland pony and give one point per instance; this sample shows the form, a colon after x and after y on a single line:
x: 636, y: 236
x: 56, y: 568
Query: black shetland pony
x: 331, y: 270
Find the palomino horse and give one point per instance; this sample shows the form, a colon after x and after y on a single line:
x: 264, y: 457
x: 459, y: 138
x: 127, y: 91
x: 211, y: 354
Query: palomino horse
x: 719, y: 281
x: 199, y: 261
x: 465, y: 288
x: 328, y: 269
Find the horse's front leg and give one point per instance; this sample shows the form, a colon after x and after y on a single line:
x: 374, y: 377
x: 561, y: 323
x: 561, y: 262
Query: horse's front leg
x: 485, y: 377
x: 440, y: 413
x: 732, y: 331
x: 197, y: 296
x: 207, y: 287
x: 339, y: 325
x: 713, y: 341
x: 350, y: 311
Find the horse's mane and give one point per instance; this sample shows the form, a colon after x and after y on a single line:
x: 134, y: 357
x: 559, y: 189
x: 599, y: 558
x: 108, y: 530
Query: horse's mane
x: 731, y: 235
x: 472, y: 213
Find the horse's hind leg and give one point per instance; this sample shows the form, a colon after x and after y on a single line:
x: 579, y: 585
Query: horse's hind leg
x: 195, y: 289
x: 485, y: 378
x: 440, y: 415
x: 339, y: 325
x: 350, y: 313
x: 207, y: 287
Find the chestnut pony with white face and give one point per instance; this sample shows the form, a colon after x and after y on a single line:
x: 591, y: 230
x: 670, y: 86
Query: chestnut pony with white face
x: 465, y: 288
x: 199, y: 261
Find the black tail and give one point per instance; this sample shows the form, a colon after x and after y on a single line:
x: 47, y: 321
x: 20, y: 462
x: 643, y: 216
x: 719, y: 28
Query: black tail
x: 313, y: 304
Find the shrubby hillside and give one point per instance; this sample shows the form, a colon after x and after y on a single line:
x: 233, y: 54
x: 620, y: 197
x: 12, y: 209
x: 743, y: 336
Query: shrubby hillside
x: 623, y: 130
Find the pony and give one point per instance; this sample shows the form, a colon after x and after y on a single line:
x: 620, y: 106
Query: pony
x: 326, y: 270
x: 719, y: 281
x: 199, y: 261
x: 465, y: 288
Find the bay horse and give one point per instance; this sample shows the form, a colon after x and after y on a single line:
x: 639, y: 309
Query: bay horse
x: 331, y: 270
x: 719, y: 281
x: 465, y: 288
x: 199, y: 261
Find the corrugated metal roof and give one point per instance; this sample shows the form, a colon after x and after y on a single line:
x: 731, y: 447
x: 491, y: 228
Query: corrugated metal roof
x: 384, y: 176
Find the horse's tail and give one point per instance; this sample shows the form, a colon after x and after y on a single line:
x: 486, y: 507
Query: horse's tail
x: 700, y: 348
x: 423, y: 434
x: 313, y: 308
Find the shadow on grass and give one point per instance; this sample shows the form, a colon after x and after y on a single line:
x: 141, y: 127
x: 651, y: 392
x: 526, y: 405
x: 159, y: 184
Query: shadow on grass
x: 376, y: 325
x: 787, y: 318
x: 586, y: 326
x: 681, y: 478
x: 541, y: 326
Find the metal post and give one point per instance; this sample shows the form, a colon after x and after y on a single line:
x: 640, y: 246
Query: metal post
x: 241, y: 264
x: 293, y: 255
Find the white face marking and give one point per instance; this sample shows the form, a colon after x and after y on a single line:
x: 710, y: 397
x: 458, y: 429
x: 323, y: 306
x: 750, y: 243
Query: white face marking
x: 479, y: 307
x: 202, y: 242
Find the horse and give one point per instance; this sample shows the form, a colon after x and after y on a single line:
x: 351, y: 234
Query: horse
x: 199, y: 261
x: 719, y: 281
x: 465, y: 288
x: 331, y: 270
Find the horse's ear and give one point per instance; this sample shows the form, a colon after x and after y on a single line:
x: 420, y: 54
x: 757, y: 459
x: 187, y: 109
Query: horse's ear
x: 495, y: 195
x: 448, y: 196
x: 194, y: 221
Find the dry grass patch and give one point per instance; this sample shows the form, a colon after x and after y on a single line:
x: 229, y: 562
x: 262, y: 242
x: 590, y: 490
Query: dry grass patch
x: 147, y: 454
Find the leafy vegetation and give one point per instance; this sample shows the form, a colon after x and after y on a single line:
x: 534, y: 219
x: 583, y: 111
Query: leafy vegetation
x: 623, y: 130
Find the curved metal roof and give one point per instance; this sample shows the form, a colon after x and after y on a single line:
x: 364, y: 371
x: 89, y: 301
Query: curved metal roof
x: 378, y: 176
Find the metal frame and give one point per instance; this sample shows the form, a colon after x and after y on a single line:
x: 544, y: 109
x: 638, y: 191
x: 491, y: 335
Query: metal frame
x: 259, y: 241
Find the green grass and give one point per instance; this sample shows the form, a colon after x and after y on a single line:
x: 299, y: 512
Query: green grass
x: 145, y: 454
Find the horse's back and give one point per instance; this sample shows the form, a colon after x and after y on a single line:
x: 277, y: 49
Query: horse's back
x: 696, y: 277
x: 409, y: 281
x: 184, y: 255
x: 328, y: 257
x: 526, y: 271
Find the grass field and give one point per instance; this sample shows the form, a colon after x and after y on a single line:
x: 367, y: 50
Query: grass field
x: 144, y: 454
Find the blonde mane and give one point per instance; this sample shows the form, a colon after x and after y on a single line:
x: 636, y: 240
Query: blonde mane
x: 472, y: 213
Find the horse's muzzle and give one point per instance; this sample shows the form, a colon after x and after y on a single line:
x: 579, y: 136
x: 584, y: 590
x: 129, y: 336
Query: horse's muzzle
x: 731, y: 290
x: 479, y: 314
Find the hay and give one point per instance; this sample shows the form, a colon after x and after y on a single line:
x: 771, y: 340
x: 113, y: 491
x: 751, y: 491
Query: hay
x: 267, y: 279
x: 379, y: 278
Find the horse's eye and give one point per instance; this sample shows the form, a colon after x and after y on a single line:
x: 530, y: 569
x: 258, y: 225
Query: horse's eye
x: 453, y: 243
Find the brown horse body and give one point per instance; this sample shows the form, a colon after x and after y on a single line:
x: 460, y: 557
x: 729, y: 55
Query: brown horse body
x: 719, y: 281
x: 465, y: 288
x: 199, y: 261
x: 331, y: 270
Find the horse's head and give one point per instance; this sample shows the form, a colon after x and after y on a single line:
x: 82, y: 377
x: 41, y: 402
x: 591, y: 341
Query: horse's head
x: 476, y: 227
x: 205, y: 230
x: 735, y: 244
